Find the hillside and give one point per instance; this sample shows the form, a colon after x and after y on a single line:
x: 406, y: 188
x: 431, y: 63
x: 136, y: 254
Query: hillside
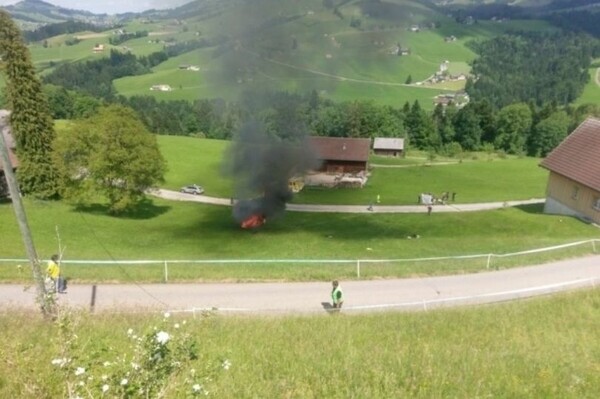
x: 384, y: 51
x: 31, y: 14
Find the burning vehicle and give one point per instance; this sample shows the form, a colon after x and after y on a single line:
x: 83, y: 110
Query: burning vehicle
x: 254, y: 221
x: 267, y: 170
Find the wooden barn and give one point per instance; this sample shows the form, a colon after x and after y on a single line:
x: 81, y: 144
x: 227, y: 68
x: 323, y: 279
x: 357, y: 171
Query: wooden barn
x: 574, y: 181
x: 342, y: 155
x: 10, y: 143
x: 386, y: 146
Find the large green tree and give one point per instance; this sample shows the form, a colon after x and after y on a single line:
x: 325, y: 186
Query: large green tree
x: 513, y: 126
x: 110, y: 155
x: 549, y: 133
x: 32, y: 125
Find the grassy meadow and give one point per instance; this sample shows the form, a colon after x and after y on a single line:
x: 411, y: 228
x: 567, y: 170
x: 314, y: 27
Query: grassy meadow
x: 538, y: 348
x: 175, y: 230
x: 591, y: 91
x: 478, y: 178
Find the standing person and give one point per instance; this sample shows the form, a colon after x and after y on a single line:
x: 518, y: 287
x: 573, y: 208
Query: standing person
x: 337, y: 296
x: 53, y: 272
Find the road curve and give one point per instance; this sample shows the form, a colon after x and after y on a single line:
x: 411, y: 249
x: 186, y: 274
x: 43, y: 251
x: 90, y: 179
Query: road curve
x: 309, y: 297
x: 177, y: 196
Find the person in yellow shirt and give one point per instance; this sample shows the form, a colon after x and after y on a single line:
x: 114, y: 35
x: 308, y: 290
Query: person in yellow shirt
x: 53, y: 272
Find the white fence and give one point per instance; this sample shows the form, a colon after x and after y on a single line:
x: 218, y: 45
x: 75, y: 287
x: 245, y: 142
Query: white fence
x: 358, y: 262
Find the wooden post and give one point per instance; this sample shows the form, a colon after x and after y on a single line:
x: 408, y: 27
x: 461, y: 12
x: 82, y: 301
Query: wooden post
x: 93, y: 301
x: 46, y: 303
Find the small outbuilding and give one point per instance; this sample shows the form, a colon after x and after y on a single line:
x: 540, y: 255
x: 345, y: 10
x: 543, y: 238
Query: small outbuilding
x: 387, y: 146
x: 574, y: 181
x: 341, y: 154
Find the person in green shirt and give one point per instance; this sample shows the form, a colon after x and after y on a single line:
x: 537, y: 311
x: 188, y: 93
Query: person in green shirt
x: 337, y: 296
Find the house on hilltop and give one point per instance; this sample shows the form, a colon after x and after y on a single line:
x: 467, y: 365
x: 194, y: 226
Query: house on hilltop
x: 161, y: 88
x: 574, y: 181
x: 342, y: 154
x: 11, y: 147
x: 387, y: 146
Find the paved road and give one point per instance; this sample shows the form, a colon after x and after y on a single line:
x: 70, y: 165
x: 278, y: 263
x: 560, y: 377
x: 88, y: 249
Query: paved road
x: 361, y: 296
x: 177, y: 196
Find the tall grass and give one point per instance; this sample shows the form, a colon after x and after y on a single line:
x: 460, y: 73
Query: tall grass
x: 539, y: 348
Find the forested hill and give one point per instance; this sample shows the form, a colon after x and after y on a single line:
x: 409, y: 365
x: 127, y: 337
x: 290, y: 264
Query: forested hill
x: 31, y: 14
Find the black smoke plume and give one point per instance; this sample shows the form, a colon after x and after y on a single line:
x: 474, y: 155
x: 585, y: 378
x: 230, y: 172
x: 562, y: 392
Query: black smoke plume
x: 261, y: 165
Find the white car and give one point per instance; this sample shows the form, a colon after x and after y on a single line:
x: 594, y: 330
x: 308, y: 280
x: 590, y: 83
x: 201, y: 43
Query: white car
x: 192, y: 189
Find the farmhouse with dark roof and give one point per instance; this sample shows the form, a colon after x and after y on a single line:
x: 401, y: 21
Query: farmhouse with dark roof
x: 574, y: 182
x: 341, y: 154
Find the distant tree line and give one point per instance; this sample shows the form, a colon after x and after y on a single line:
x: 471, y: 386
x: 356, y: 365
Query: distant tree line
x: 531, y: 66
x: 61, y: 28
x: 577, y: 21
x: 123, y: 37
x: 518, y: 128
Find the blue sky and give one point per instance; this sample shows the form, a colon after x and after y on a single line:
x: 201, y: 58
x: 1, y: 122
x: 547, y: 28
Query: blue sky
x: 110, y: 6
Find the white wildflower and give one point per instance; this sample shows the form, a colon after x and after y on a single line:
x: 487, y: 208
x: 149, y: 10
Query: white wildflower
x: 106, y: 364
x: 135, y: 366
x: 81, y: 383
x: 162, y: 337
x: 104, y: 377
x: 196, y: 388
x: 226, y: 364
x: 176, y: 325
x: 59, y: 362
x: 105, y: 388
x: 80, y: 371
x: 130, y: 331
x: 167, y: 315
x: 124, y: 381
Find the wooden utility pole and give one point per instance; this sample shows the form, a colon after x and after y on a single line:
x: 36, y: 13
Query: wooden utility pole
x: 46, y: 303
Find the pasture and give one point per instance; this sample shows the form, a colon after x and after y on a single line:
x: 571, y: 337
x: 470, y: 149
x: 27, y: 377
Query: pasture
x: 170, y: 230
x: 477, y: 178
x: 543, y: 347
x: 591, y: 91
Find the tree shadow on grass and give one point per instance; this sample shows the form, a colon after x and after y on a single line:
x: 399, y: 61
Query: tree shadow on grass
x: 144, y: 210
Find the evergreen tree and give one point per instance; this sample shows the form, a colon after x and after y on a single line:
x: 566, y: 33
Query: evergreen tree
x: 467, y: 128
x: 31, y: 122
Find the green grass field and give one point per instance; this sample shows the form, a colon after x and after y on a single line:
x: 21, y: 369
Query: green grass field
x: 484, y: 179
x: 179, y: 230
x: 539, y: 348
x: 591, y: 91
